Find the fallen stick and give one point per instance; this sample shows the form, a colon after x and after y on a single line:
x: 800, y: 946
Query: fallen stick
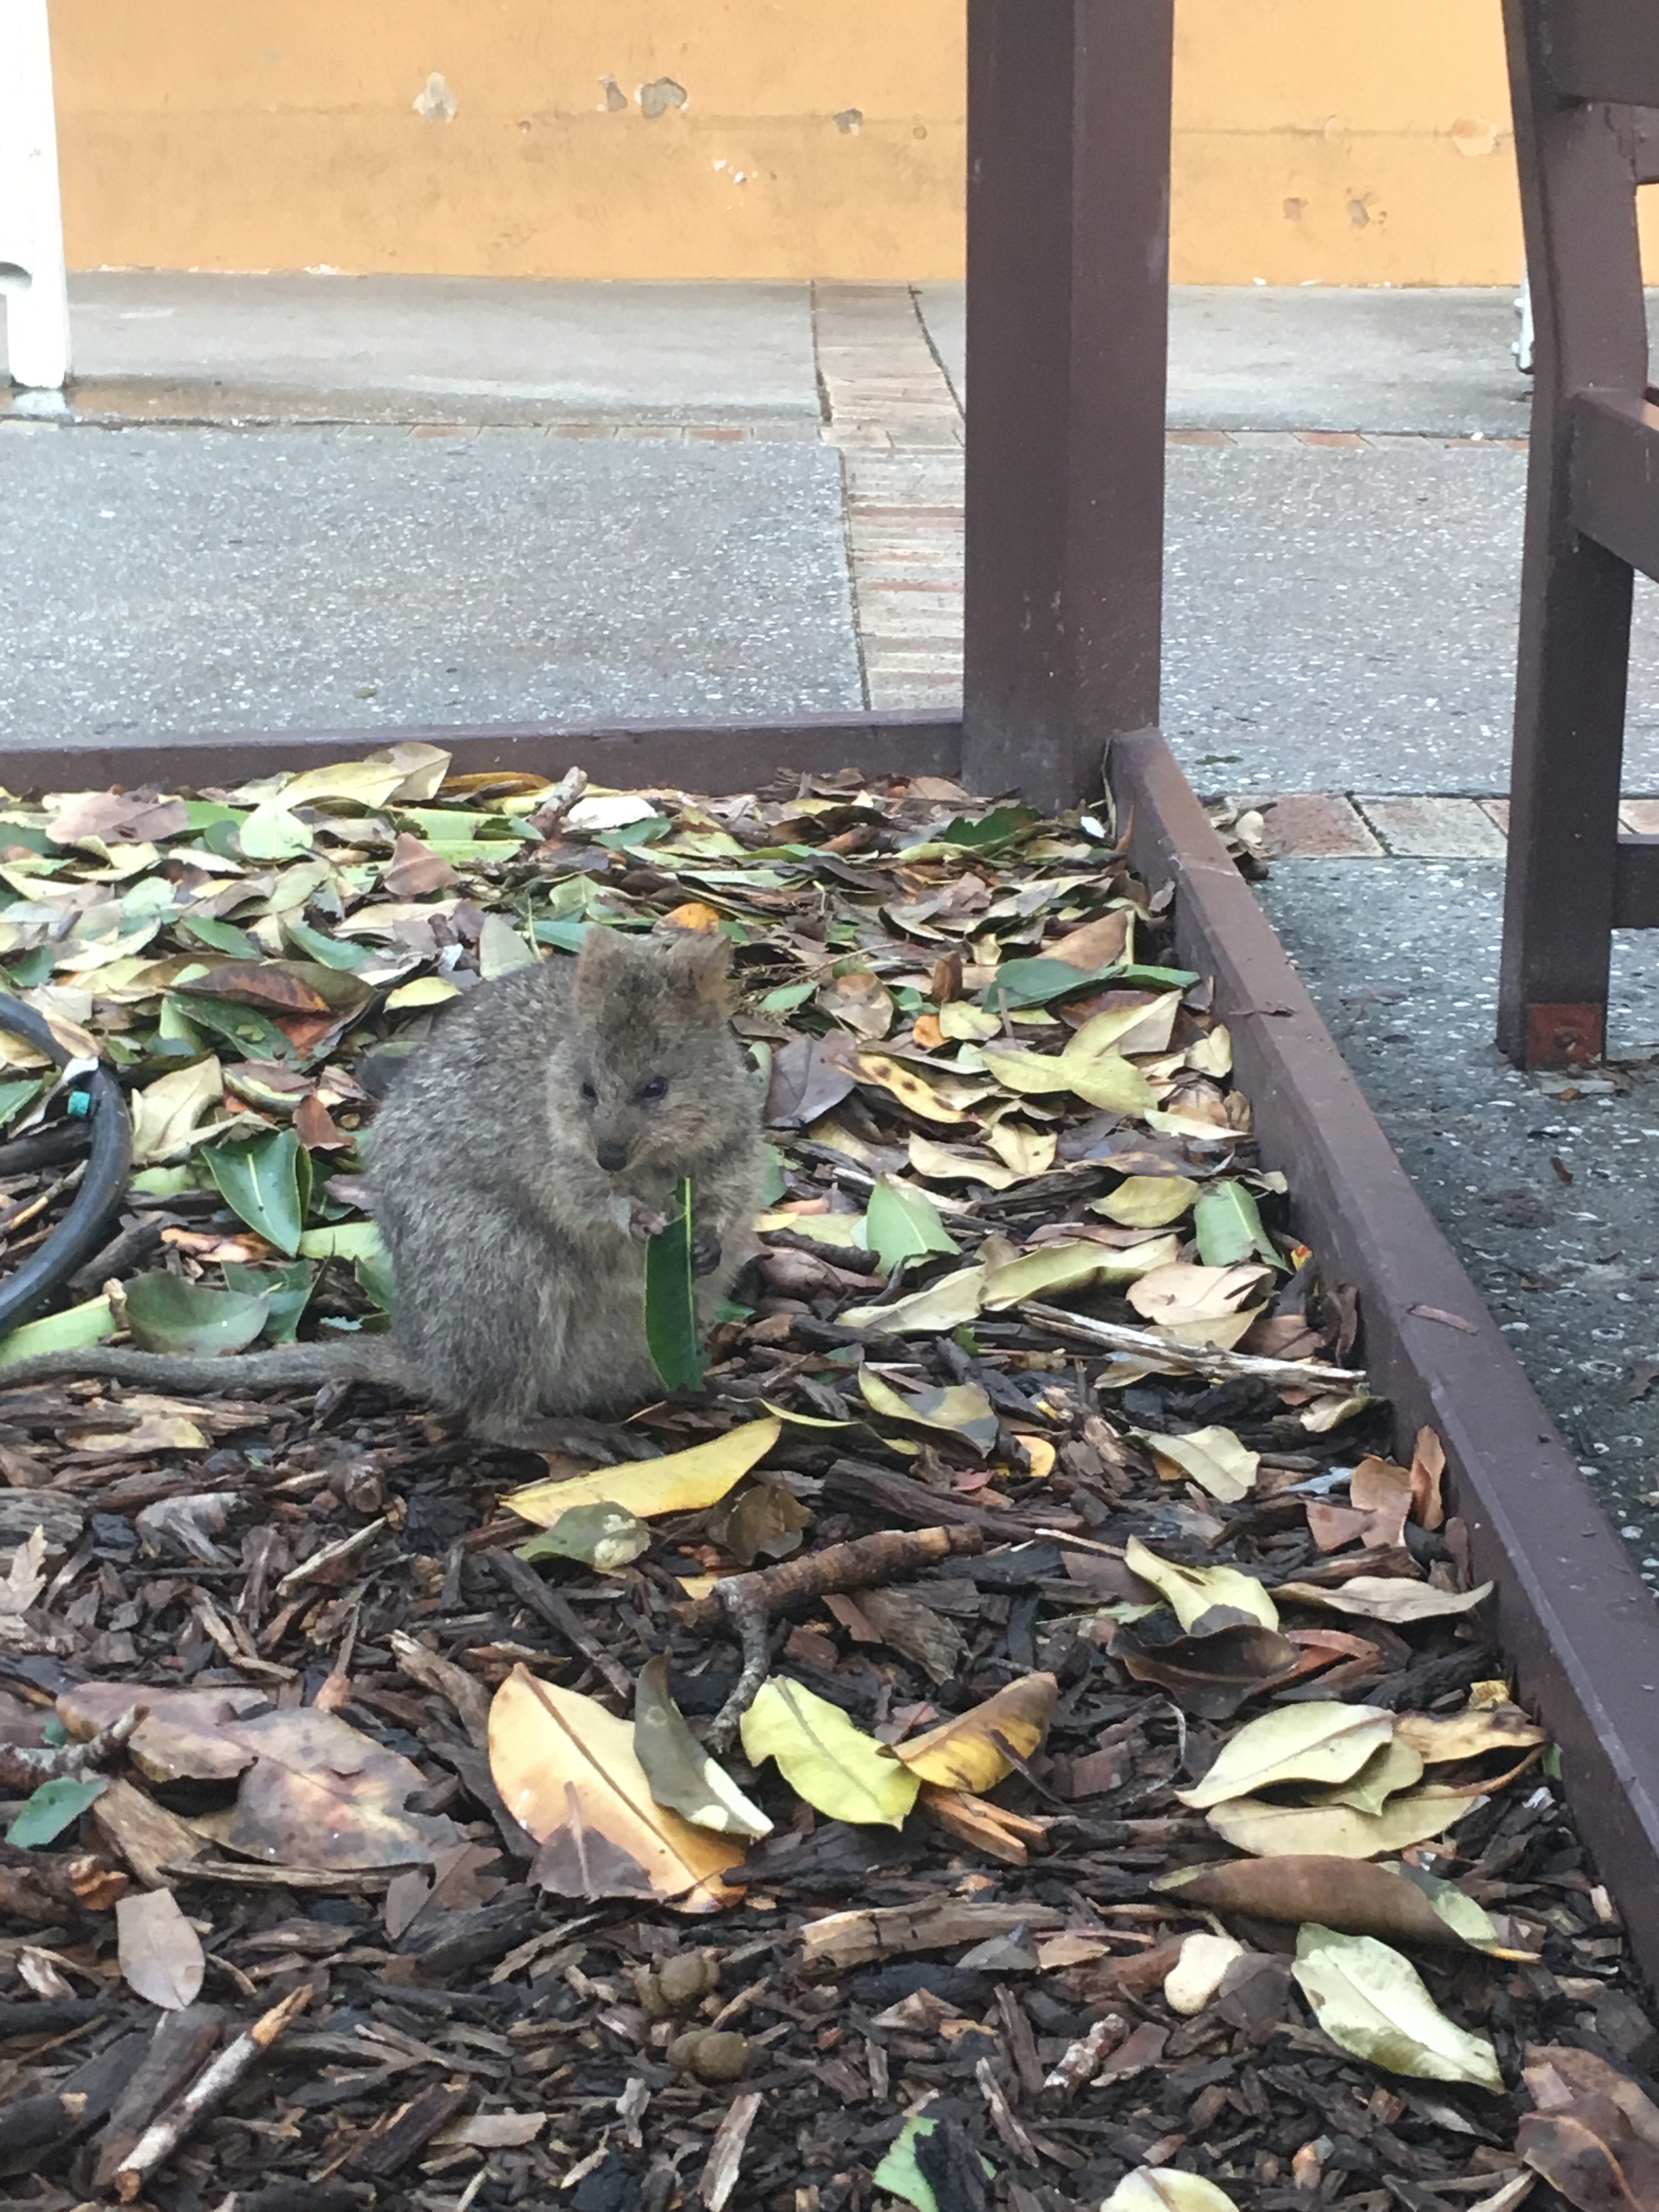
x: 1197, y: 1359
x: 26, y: 1765
x: 751, y: 1601
x: 205, y: 2095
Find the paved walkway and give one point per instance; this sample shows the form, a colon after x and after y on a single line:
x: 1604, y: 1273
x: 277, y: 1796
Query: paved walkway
x: 345, y: 502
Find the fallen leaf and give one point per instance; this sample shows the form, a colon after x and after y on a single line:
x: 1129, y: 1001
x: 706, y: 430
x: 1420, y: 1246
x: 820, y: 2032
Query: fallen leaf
x: 1167, y: 2189
x: 839, y: 1771
x: 160, y: 1953
x: 961, y: 1408
x: 1427, y: 1467
x: 1251, y: 1823
x: 569, y: 1775
x: 1386, y: 1597
x: 765, y: 1520
x: 182, y: 1736
x: 911, y: 1091
x: 1227, y: 1225
x: 48, y: 1811
x: 861, y: 1001
x: 166, y: 1114
x: 1022, y: 1149
x: 1312, y: 1743
x: 682, y: 1775
x: 902, y: 1223
x: 1183, y: 1296
x: 1438, y: 1739
x: 679, y: 1482
x: 1348, y: 1894
x: 950, y: 1303
x: 1391, y: 1768
x: 168, y: 1313
x: 1372, y: 2001
x: 1209, y: 1675
x: 1212, y: 1458
x: 1068, y: 1267
x: 930, y: 1158
x: 900, y: 2176
x: 966, y: 1752
x: 320, y: 1794
x: 1147, y: 1201
x: 1595, y: 2136
x: 1196, y: 1593
x: 602, y: 1535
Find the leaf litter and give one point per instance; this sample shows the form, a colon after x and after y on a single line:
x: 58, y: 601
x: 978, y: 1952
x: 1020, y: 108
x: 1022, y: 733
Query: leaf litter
x: 824, y: 1800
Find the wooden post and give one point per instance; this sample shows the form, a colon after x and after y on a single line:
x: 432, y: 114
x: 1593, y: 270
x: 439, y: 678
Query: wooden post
x: 1068, y: 216
x: 31, y: 215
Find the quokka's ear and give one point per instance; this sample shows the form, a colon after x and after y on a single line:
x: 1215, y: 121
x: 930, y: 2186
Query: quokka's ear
x: 604, y: 957
x: 700, y: 963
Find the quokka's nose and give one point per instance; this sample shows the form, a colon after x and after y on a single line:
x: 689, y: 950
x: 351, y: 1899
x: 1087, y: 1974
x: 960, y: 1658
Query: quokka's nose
x: 611, y: 1155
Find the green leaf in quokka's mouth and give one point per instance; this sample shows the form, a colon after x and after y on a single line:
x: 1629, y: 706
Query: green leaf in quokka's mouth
x: 670, y: 1307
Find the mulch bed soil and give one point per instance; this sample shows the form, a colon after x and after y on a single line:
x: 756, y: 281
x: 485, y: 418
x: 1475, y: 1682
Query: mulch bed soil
x: 1038, y: 1493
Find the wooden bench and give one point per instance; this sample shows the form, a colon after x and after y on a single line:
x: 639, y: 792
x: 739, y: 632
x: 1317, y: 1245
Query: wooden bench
x: 1584, y: 76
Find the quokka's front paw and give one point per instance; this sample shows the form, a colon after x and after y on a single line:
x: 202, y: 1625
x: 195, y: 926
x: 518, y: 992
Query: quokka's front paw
x: 644, y: 1222
x: 705, y: 1251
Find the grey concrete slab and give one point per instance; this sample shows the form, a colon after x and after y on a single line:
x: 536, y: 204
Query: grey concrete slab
x: 179, y: 580
x: 1344, y: 619
x: 483, y: 348
x: 1317, y: 357
x: 1401, y: 957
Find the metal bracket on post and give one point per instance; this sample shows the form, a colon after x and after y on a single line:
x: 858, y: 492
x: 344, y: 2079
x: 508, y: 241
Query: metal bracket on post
x: 1068, y: 225
x: 31, y: 282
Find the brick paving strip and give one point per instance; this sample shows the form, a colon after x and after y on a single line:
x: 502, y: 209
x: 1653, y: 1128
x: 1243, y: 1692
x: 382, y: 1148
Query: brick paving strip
x: 1333, y: 825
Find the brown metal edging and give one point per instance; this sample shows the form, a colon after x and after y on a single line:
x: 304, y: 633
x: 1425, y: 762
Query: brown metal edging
x: 691, y: 755
x: 1569, y: 1608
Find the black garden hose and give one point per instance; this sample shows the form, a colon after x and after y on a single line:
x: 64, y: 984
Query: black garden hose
x: 85, y: 1228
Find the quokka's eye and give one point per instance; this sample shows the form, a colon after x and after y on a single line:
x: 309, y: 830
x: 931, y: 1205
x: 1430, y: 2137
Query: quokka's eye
x: 649, y: 1092
x: 588, y: 1094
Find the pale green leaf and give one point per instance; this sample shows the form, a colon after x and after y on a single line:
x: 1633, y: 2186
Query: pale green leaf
x: 840, y: 1772
x: 1372, y: 2001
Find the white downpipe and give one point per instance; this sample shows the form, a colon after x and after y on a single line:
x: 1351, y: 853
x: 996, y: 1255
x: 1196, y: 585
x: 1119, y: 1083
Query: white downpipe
x: 31, y: 284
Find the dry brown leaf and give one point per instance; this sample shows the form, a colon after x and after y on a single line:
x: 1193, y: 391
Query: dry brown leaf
x: 1386, y: 1597
x: 1439, y: 1739
x: 1346, y: 1893
x: 1428, y: 1466
x: 569, y: 1774
x: 160, y: 1953
x: 322, y: 1795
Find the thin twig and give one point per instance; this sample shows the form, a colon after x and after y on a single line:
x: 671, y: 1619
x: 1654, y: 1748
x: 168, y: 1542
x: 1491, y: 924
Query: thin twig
x: 205, y: 2093
x: 25, y: 1766
x: 1192, y: 1359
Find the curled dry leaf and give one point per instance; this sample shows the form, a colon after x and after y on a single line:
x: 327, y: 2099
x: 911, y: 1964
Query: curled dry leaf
x: 1372, y: 2001
x: 1428, y: 1466
x: 1439, y: 1739
x: 160, y: 1953
x: 1348, y: 1894
x: 1185, y: 1295
x: 681, y: 1774
x: 679, y: 1482
x: 1199, y: 1593
x: 568, y: 1773
x: 1313, y: 1742
x: 1595, y: 2136
x: 961, y: 1408
x: 837, y: 1769
x: 966, y: 1753
x: 1386, y: 1597
x: 1211, y: 1675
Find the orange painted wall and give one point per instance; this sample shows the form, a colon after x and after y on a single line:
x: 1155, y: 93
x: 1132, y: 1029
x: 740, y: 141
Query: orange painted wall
x: 1315, y: 140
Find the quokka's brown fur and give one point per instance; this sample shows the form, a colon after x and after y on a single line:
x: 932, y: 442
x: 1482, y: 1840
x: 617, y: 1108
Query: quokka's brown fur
x: 523, y: 1156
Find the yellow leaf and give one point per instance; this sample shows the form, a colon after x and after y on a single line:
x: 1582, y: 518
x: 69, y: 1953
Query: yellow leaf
x: 694, y: 914
x: 1026, y: 1150
x: 963, y: 1023
x: 929, y: 1158
x: 1185, y: 1292
x: 1212, y: 1458
x: 682, y: 1482
x: 945, y: 1305
x: 1212, y: 1055
x: 1195, y: 1591
x: 1040, y: 1452
x: 821, y: 1755
x: 1147, y: 1201
x: 962, y: 1753
x: 1139, y: 1028
x: 165, y: 1113
x: 1051, y: 1267
x: 1470, y: 1735
x: 907, y: 1086
x: 1386, y: 1597
x: 424, y: 991
x: 1318, y: 1741
x: 370, y: 782
x: 567, y: 1771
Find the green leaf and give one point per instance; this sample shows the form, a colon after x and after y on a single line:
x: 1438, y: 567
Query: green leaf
x: 261, y: 1181
x: 682, y: 1775
x: 838, y: 1770
x: 670, y: 1305
x: 167, y: 1314
x: 787, y: 998
x: 1001, y: 826
x: 1370, y: 1999
x: 220, y: 936
x: 164, y: 1183
x: 60, y: 1332
x: 899, y: 2174
x: 253, y: 1032
x: 902, y: 1223
x: 502, y: 950
x: 1227, y: 1227
x: 776, y: 1182
x: 600, y: 1535
x: 1034, y: 982
x: 288, y: 1289
x: 55, y: 1806
x: 344, y: 1240
x: 328, y: 952
x: 14, y: 1097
